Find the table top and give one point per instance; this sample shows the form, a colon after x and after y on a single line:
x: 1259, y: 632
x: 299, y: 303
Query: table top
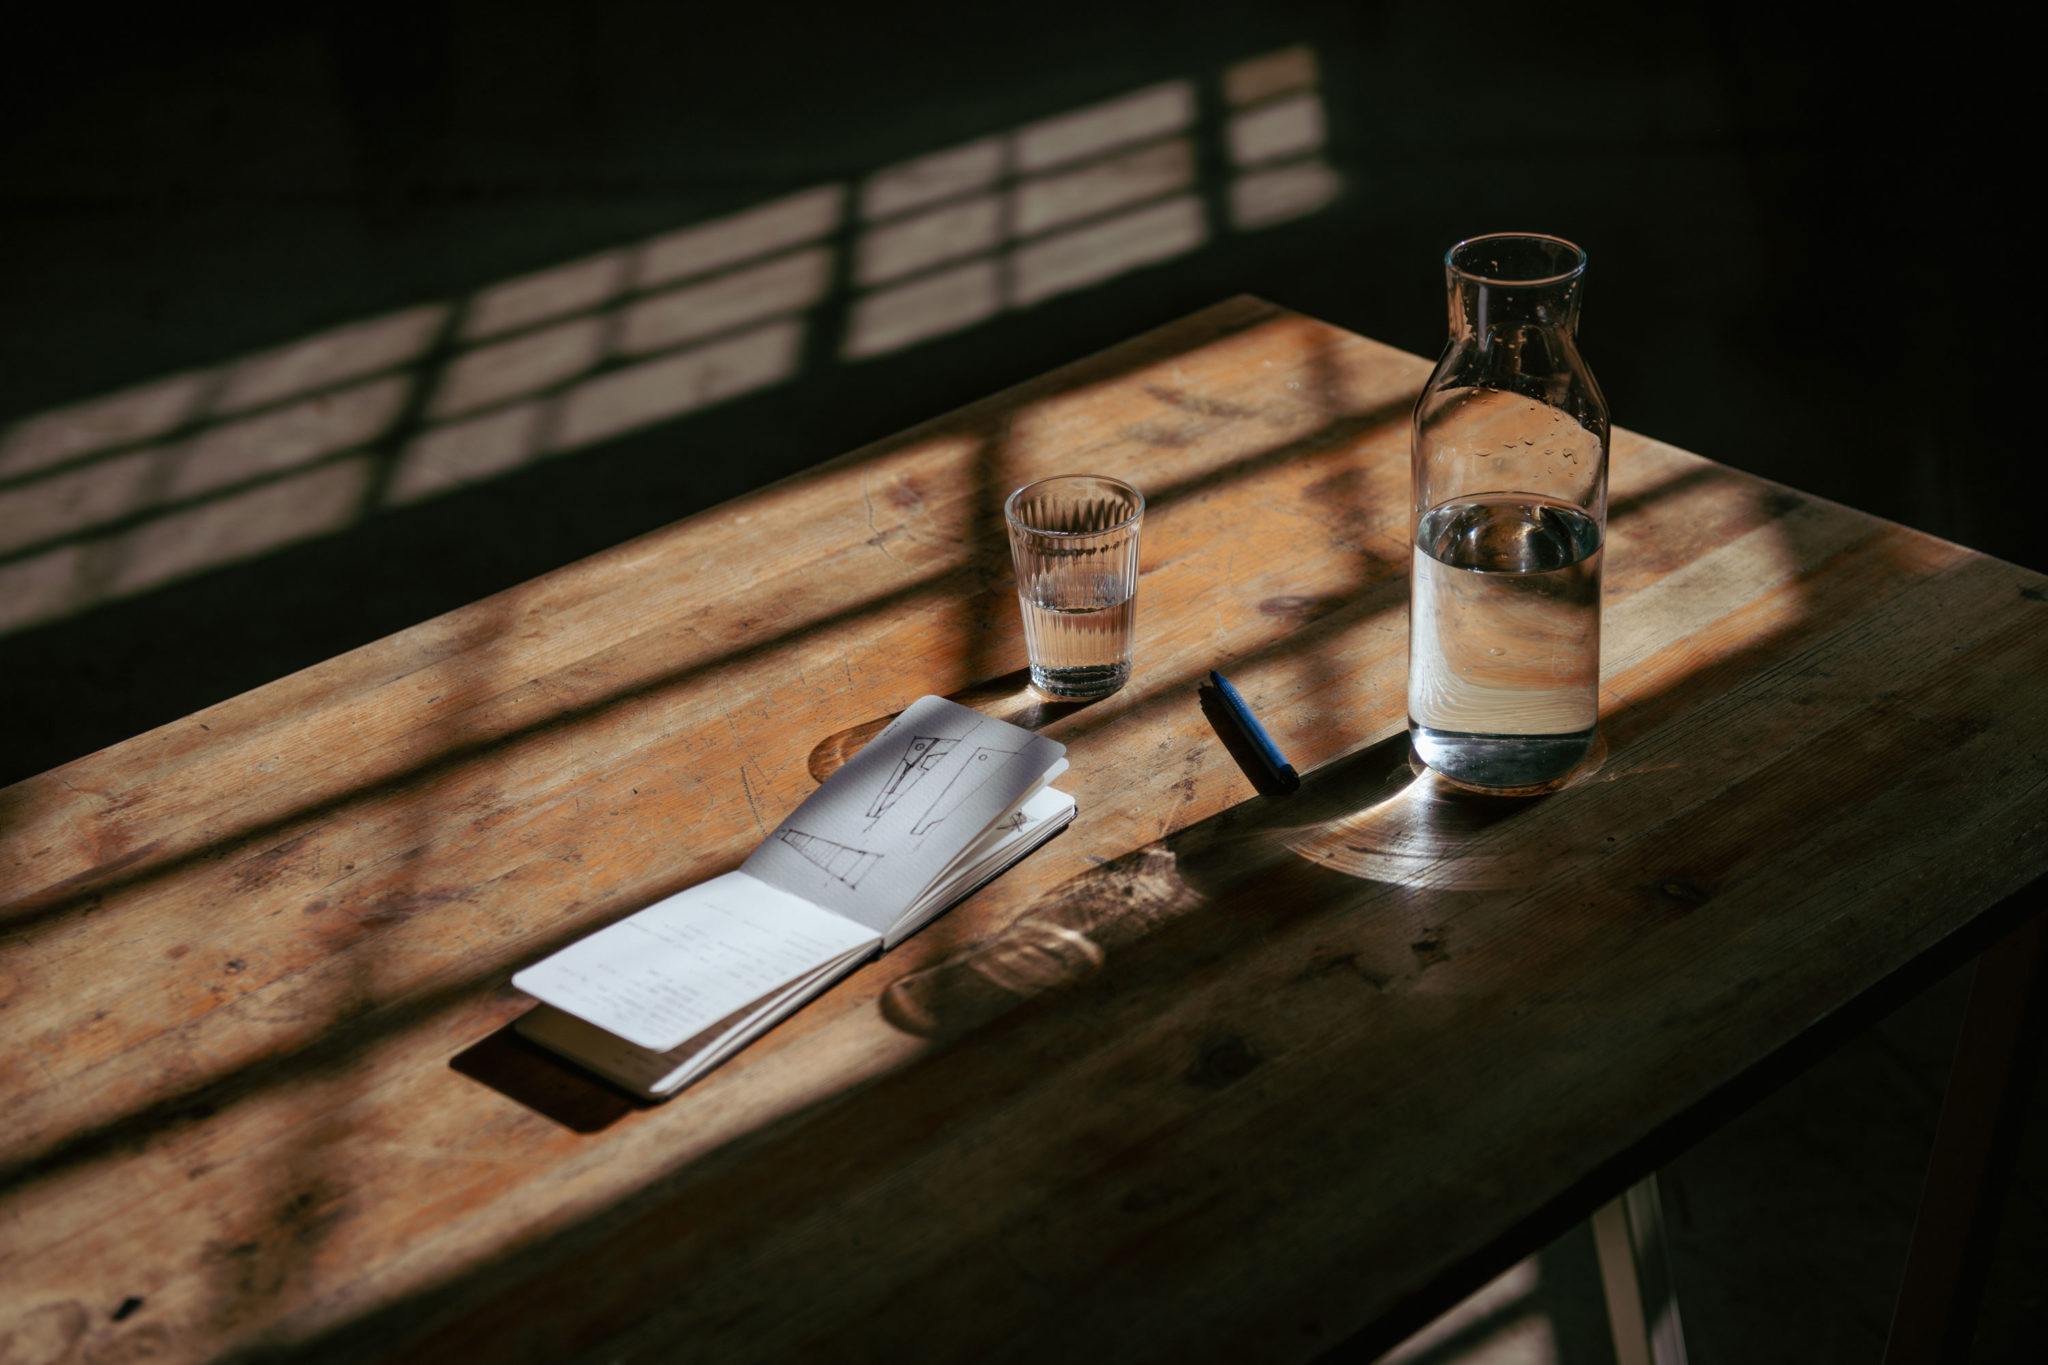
x: 1212, y: 1075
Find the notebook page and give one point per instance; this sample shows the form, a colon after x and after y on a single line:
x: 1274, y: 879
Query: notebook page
x: 671, y: 971
x: 886, y: 825
x: 656, y: 1074
x: 1048, y: 812
x: 995, y: 834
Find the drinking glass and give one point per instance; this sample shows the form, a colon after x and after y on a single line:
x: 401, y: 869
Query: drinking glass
x: 1074, y: 541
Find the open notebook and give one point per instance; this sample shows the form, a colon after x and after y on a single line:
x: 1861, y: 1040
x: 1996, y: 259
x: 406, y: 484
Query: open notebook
x: 935, y: 805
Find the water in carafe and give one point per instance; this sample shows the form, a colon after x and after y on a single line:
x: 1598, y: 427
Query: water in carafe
x: 1504, y: 645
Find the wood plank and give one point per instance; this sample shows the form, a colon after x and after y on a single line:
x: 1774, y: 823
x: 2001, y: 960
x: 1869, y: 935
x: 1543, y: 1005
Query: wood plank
x: 1209, y: 1074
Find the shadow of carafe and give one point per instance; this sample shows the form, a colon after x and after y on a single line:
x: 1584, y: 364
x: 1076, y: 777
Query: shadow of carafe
x: 1417, y: 829
x: 1372, y: 821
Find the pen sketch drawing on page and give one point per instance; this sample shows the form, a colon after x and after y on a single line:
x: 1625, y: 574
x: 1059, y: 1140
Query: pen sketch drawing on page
x: 920, y: 756
x: 840, y: 861
x: 980, y: 765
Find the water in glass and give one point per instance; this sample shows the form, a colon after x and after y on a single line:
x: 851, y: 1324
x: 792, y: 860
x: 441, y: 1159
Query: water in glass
x: 1077, y: 632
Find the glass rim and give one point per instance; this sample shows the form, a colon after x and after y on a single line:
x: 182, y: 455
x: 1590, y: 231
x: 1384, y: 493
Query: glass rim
x: 1578, y: 266
x: 1010, y: 506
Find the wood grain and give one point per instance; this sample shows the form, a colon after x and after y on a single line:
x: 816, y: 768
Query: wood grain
x: 1210, y: 1076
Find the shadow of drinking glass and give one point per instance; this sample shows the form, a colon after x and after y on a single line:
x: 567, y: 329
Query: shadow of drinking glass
x: 1010, y: 697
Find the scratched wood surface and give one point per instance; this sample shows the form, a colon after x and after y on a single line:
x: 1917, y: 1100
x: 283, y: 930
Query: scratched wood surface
x: 1210, y: 1076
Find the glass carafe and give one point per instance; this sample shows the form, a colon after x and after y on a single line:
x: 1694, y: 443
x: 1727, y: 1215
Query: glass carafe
x: 1510, y: 515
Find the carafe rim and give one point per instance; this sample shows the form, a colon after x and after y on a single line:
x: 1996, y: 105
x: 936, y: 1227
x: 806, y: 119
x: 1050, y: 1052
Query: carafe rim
x: 1497, y: 281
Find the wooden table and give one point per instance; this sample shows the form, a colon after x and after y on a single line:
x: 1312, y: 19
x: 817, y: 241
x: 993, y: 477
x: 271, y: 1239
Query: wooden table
x: 1210, y: 1076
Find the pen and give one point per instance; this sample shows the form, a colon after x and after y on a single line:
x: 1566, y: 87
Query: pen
x: 1278, y: 771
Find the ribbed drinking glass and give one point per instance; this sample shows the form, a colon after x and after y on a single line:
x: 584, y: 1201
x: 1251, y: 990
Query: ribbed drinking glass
x: 1074, y: 541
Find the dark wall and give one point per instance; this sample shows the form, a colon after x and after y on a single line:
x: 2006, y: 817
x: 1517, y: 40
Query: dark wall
x: 1794, y: 227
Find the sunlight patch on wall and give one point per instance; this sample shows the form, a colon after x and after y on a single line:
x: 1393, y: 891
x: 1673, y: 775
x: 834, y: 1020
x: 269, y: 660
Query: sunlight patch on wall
x: 221, y: 530
x: 126, y: 492
x: 526, y: 364
x: 77, y: 500
x: 1053, y: 200
x: 1264, y: 198
x: 640, y: 395
x: 458, y: 453
x: 1102, y: 251
x: 929, y: 179
x: 219, y: 457
x: 748, y: 236
x: 42, y: 587
x: 1072, y: 202
x: 909, y: 245
x: 995, y: 206
x: 238, y: 526
x: 119, y: 419
x: 545, y: 295
x: 927, y: 307
x: 285, y: 438
x: 1139, y: 117
x: 1275, y: 138
x: 330, y: 358
x: 786, y: 285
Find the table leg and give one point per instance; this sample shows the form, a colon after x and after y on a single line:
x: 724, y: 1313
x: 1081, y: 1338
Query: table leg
x: 1635, y: 1270
x: 1974, y: 1149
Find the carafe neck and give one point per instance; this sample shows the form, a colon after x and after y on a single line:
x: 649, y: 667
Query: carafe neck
x: 1510, y: 283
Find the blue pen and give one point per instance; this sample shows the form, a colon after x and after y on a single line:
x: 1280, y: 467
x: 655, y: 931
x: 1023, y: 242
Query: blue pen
x: 1279, y: 772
